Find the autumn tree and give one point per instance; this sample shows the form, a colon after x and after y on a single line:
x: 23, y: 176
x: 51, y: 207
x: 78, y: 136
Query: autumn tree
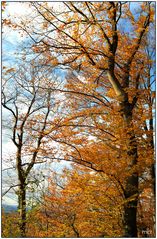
x: 79, y: 203
x: 109, y: 74
x: 29, y: 109
x: 91, y: 39
x: 10, y: 224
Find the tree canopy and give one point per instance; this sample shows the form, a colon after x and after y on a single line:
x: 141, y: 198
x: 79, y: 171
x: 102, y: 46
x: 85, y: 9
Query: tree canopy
x: 90, y: 101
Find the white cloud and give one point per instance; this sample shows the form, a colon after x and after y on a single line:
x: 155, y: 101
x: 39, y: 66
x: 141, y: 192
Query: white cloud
x: 16, y: 9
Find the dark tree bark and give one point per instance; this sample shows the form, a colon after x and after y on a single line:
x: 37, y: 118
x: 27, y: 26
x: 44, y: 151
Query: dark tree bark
x: 22, y: 209
x: 131, y: 185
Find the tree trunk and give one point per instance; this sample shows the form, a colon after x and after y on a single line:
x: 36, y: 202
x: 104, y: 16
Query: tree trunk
x: 130, y: 208
x: 152, y: 171
x: 131, y: 184
x: 22, y: 209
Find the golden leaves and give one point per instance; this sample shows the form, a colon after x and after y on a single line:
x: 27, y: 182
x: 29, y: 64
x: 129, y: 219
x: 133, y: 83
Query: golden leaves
x: 7, y: 22
x: 45, y: 25
x: 54, y: 61
x: 36, y: 49
x: 3, y: 5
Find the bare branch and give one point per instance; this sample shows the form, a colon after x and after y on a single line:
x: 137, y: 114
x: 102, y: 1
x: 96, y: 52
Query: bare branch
x: 13, y: 186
